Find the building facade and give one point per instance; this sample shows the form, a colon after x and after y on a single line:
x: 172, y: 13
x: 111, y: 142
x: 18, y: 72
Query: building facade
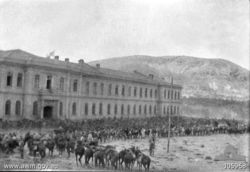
x: 43, y: 88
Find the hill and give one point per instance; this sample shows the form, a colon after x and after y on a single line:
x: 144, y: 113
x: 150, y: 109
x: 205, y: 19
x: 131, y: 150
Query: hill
x: 212, y: 88
x: 203, y: 78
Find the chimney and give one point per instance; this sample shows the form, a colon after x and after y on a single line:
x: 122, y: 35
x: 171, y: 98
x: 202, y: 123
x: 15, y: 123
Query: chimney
x: 98, y: 66
x: 81, y: 61
x: 66, y: 59
x: 151, y: 76
x: 56, y: 57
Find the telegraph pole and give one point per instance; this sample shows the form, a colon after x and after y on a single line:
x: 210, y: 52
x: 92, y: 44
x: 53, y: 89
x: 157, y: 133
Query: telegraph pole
x: 169, y: 115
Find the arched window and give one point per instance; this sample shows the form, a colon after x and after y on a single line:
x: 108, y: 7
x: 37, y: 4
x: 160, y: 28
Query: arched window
x: 116, y: 90
x: 61, y: 109
x: 172, y: 94
x: 7, y: 107
x: 123, y: 90
x: 37, y: 81
x: 134, y: 110
x: 128, y: 109
x: 93, y: 109
x: 35, y: 108
x: 139, y: 109
x: 108, y: 109
x: 102, y: 88
x: 86, y: 108
x: 9, y: 79
x: 145, y: 109
x: 129, y: 91
x: 18, y: 107
x: 122, y: 109
x: 110, y: 89
x: 150, y: 109
x: 146, y: 92
x: 61, y: 84
x: 74, y: 108
x: 115, y: 109
x: 100, y: 109
x: 135, y: 92
x: 19, y: 80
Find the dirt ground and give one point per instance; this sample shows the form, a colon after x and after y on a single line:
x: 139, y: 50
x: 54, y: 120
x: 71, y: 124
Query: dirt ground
x: 186, y: 154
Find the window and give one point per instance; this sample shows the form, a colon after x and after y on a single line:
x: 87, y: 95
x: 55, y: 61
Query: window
x: 178, y: 95
x: 171, y: 110
x: 175, y: 95
x: 49, y: 82
x: 155, y: 110
x: 75, y: 83
x: 178, y: 110
x: 35, y: 108
x: 145, y: 109
x: 115, y: 109
x: 87, y: 88
x: 37, y: 81
x: 155, y: 93
x: 93, y: 109
x: 86, y: 109
x: 165, y: 93
x: 100, y: 109
x: 134, y: 110
x: 116, y: 90
x: 174, y: 109
x: 172, y: 94
x: 9, y: 79
x: 151, y: 93
x: 168, y: 110
x: 123, y: 90
x: 146, y: 92
x: 19, y: 80
x: 18, y: 107
x: 128, y: 109
x: 150, y: 109
x: 129, y: 91
x: 94, y: 88
x: 140, y: 92
x: 110, y: 89
x: 168, y: 94
x: 102, y: 88
x: 7, y: 107
x: 122, y: 109
x: 135, y: 92
x: 139, y: 109
x: 164, y: 111
x: 74, y: 108
x: 61, y: 109
x: 61, y: 83
x: 108, y: 109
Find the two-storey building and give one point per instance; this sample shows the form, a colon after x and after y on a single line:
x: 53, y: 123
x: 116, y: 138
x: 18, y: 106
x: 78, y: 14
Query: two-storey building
x: 36, y: 87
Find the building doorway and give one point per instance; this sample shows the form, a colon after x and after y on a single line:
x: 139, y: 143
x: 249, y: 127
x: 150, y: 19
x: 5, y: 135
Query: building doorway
x: 48, y: 112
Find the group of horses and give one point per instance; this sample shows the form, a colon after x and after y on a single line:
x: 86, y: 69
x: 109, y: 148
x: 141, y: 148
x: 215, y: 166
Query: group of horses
x: 94, y: 154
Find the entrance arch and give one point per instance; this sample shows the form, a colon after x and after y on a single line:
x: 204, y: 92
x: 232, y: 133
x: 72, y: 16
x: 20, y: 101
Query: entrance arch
x: 47, y: 112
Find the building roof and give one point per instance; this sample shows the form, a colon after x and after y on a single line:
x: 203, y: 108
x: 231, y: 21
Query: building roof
x: 25, y: 58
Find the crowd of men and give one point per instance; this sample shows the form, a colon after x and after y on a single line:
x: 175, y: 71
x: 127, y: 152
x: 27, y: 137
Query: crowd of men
x: 83, y: 137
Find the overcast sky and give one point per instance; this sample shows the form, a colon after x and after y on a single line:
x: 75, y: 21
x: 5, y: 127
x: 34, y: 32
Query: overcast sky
x: 97, y: 29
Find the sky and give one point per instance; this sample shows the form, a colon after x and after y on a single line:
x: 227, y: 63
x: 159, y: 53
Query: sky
x: 99, y: 29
